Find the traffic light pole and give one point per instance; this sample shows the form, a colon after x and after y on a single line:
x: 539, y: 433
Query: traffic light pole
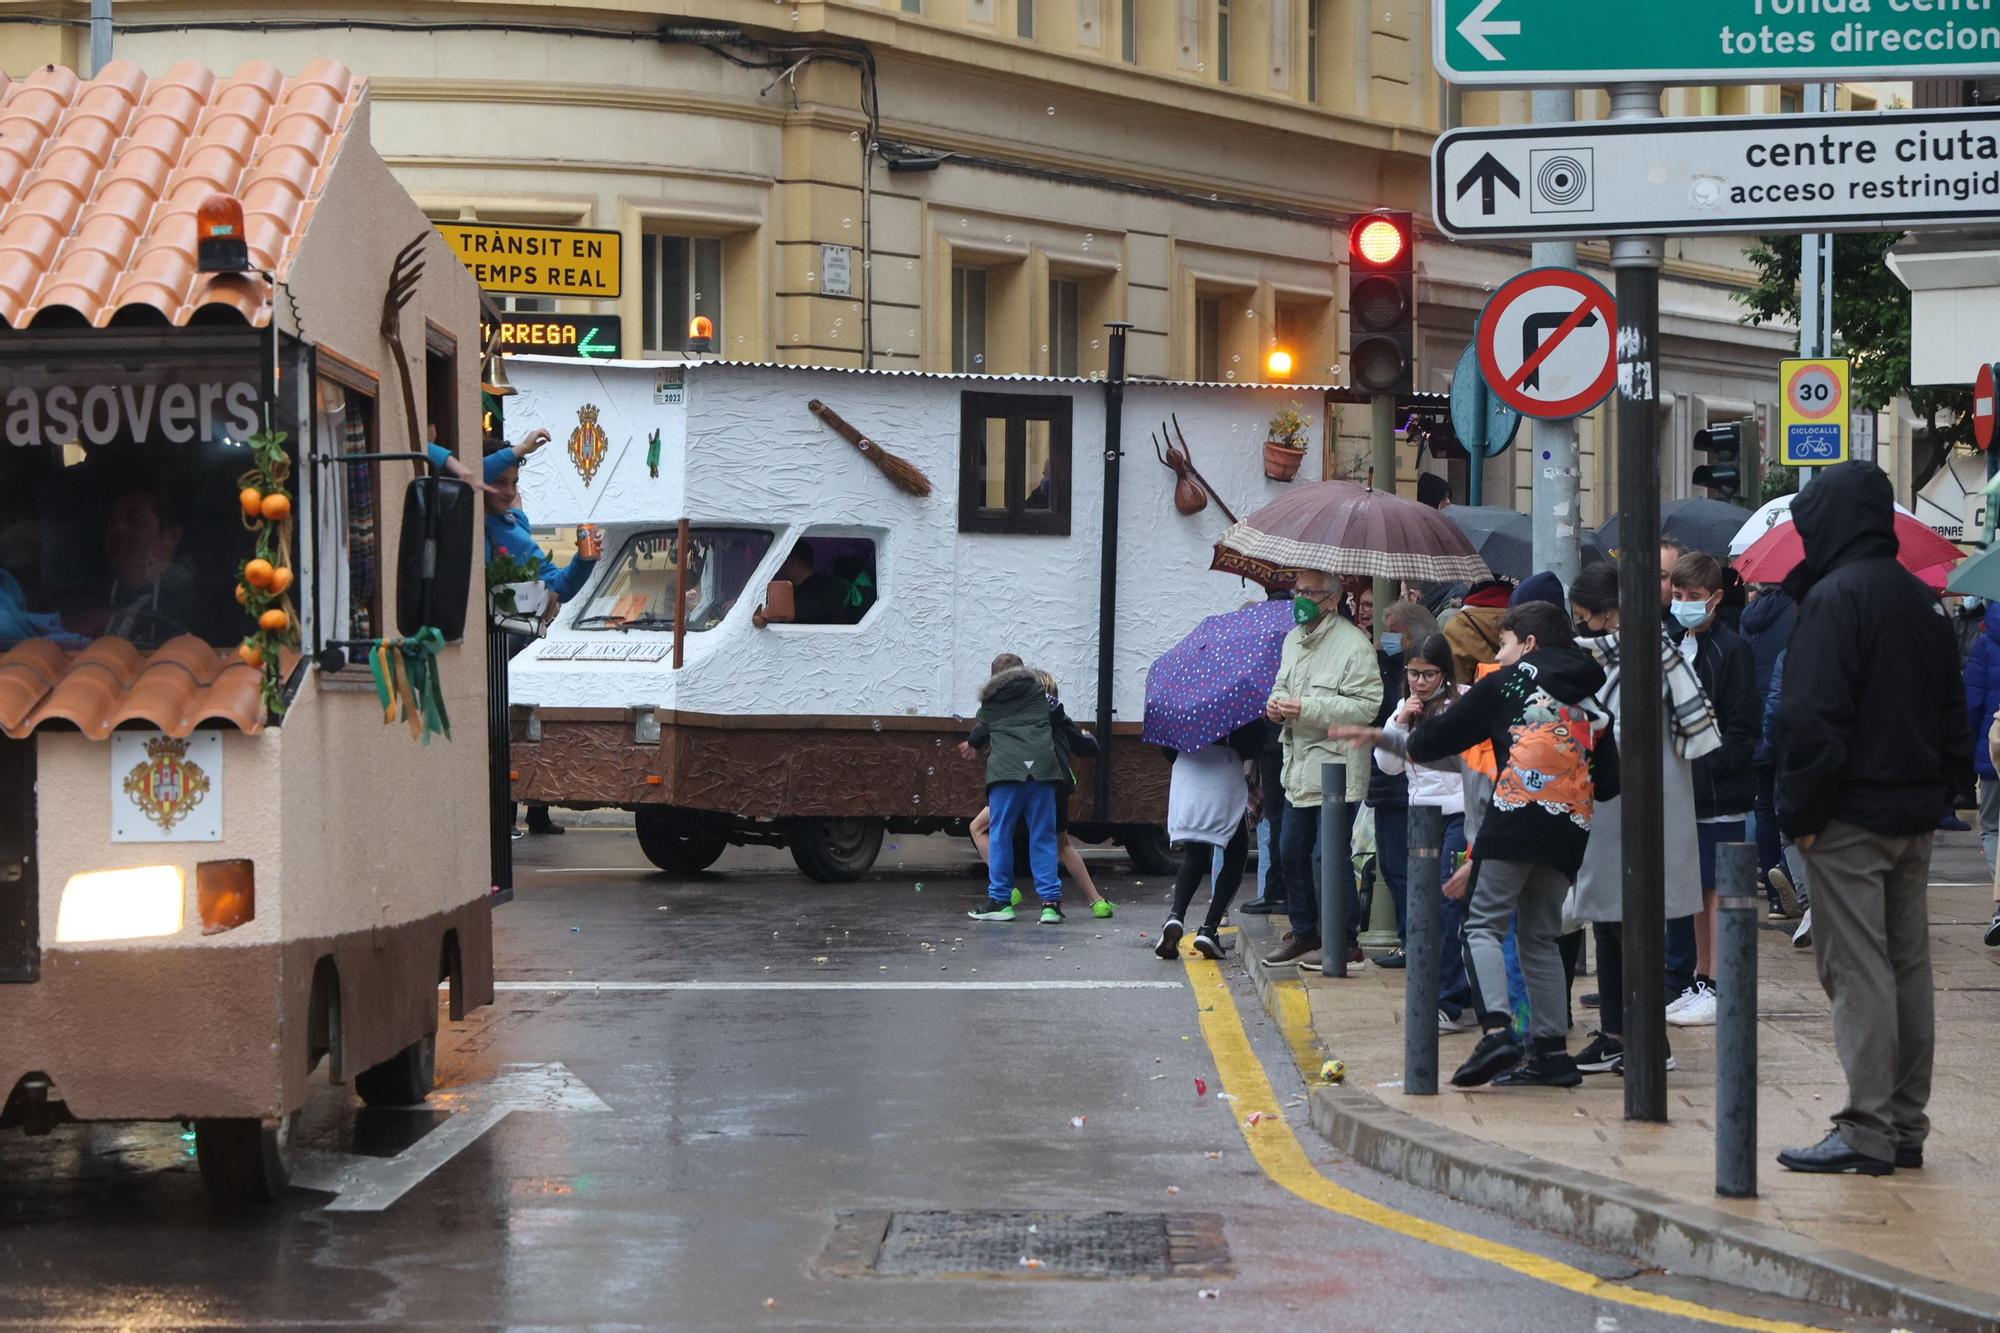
x: 1558, y: 542
x: 1637, y: 262
x: 1382, y: 459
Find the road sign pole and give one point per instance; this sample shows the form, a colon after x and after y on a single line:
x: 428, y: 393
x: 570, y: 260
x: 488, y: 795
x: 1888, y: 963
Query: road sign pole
x: 1815, y: 274
x: 1553, y: 457
x: 1637, y: 262
x: 1382, y: 442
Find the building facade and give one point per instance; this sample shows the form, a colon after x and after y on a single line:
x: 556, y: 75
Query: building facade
x: 975, y: 185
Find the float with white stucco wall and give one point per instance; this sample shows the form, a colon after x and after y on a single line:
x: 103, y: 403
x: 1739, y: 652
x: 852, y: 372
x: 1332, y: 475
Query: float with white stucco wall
x: 821, y: 736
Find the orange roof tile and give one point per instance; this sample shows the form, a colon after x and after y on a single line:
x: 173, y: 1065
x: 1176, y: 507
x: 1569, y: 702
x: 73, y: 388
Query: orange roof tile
x: 100, y: 180
x: 175, y: 688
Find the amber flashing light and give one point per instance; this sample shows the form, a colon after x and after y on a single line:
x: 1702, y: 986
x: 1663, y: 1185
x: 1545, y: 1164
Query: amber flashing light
x: 1279, y: 364
x: 220, y: 246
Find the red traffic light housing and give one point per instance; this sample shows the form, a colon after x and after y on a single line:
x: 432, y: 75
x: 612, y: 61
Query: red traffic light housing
x: 1381, y: 301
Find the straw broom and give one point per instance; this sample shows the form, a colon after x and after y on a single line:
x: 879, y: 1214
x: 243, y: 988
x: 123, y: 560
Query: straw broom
x: 903, y: 474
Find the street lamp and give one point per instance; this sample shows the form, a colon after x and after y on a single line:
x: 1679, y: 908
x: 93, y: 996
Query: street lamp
x: 1278, y: 365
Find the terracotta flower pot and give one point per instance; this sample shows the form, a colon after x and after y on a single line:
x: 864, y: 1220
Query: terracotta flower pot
x: 1281, y: 460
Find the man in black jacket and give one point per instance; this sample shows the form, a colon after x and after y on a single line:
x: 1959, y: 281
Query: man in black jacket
x: 1873, y: 742
x: 1725, y: 784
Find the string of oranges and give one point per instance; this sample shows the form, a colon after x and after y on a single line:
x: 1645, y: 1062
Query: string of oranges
x: 264, y: 582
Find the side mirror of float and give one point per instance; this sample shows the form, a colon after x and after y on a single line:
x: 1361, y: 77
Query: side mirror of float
x: 434, y: 556
x: 778, y: 608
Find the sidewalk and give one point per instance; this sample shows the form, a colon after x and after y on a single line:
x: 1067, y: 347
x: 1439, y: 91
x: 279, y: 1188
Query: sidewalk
x: 1918, y: 1247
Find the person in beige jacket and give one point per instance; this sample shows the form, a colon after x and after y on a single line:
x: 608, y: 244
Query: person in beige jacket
x: 1327, y: 677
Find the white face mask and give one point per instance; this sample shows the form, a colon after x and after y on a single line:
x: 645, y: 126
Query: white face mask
x: 1691, y: 614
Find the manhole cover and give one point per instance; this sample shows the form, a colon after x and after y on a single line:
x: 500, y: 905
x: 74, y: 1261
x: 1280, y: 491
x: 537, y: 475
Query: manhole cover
x: 1027, y: 1244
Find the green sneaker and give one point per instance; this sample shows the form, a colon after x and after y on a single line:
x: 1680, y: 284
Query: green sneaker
x: 1016, y: 899
x: 1004, y: 912
x: 1052, y: 915
x: 1103, y: 909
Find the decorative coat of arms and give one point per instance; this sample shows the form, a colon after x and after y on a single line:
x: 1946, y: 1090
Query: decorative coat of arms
x: 169, y: 785
x: 587, y: 443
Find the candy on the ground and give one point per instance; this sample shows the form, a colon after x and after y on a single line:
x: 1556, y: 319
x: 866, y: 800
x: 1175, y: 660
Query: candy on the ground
x: 1256, y: 1119
x: 1200, y: 1086
x: 1333, y: 1071
x: 1076, y: 1121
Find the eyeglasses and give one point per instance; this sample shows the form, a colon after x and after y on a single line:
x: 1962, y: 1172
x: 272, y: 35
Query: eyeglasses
x: 1424, y: 677
x: 1317, y: 594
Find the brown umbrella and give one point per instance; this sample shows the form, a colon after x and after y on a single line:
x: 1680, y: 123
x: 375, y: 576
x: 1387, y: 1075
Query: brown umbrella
x: 1344, y: 528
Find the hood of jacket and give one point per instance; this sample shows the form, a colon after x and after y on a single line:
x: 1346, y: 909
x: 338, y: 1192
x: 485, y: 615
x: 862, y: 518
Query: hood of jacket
x: 1569, y: 675
x: 1766, y: 612
x: 1847, y: 514
x: 1011, y: 685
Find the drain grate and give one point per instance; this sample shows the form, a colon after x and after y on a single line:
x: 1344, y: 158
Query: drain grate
x: 995, y: 1244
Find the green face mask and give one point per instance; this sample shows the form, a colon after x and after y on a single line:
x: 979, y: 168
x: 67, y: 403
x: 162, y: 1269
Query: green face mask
x: 1305, y: 610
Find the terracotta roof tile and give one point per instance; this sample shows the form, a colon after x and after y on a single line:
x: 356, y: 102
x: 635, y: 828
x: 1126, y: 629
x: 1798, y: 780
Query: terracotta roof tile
x: 174, y: 688
x: 99, y: 181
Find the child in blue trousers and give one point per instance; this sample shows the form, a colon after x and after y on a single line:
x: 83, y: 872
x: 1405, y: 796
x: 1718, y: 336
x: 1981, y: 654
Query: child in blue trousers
x: 1023, y: 776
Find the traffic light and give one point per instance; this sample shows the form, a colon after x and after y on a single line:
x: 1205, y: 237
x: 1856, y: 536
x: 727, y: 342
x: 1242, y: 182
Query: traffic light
x: 1381, y: 301
x: 1732, y: 471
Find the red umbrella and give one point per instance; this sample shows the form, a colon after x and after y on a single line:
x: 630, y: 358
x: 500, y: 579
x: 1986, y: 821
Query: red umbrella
x: 1342, y: 528
x: 1778, y: 552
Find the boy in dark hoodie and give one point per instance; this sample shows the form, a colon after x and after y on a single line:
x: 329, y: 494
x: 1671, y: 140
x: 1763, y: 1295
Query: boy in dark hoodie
x: 1023, y: 774
x: 1555, y: 758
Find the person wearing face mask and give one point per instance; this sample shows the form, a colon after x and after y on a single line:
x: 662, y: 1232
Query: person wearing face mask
x: 1327, y: 677
x: 1406, y: 625
x: 1725, y: 783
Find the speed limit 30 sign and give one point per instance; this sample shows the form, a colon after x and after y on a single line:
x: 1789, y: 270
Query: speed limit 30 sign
x: 1814, y: 417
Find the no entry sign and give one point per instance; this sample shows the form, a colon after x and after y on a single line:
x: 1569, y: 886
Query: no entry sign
x: 1982, y: 407
x: 1548, y: 343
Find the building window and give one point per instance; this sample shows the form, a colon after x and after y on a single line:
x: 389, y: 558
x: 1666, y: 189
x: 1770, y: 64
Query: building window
x: 1065, y: 323
x: 1208, y: 339
x: 1013, y: 464
x: 1222, y: 40
x: 1312, y: 50
x: 441, y: 390
x: 913, y: 6
x: 1791, y: 101
x: 1128, y: 28
x: 968, y: 321
x: 1024, y: 19
x: 352, y: 522
x: 681, y: 277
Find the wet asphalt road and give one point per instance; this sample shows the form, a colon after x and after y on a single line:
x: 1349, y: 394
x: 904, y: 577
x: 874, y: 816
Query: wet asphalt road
x: 740, y: 1122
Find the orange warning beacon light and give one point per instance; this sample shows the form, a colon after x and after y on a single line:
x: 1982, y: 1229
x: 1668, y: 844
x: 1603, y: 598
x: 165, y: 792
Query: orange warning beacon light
x: 701, y: 335
x: 219, y: 244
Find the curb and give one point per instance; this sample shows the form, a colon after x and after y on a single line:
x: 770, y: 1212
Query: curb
x: 1678, y: 1237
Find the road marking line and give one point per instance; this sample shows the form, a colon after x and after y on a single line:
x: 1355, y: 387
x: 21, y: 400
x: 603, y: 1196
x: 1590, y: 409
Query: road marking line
x: 829, y: 985
x: 1278, y: 1151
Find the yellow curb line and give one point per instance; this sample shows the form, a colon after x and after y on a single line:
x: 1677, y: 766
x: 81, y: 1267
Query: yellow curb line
x: 1278, y: 1151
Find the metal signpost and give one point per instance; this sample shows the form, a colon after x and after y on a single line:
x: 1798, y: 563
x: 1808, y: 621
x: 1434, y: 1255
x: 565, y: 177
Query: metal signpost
x: 1815, y: 416
x: 1730, y: 174
x: 1529, y: 43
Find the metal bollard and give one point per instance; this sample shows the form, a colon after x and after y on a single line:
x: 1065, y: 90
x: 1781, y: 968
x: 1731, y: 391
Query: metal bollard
x: 1736, y: 911
x: 1335, y: 854
x: 1424, y: 920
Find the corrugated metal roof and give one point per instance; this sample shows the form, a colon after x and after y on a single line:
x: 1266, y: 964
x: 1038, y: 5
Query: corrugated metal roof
x: 685, y: 364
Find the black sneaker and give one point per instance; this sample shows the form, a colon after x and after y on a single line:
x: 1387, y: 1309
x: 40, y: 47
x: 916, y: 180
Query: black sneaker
x: 1543, y: 1069
x: 1993, y: 930
x: 1604, y: 1055
x: 1395, y: 958
x: 1497, y: 1052
x: 1910, y: 1158
x: 1170, y: 939
x: 1591, y: 1001
x: 1784, y: 894
x: 1207, y: 945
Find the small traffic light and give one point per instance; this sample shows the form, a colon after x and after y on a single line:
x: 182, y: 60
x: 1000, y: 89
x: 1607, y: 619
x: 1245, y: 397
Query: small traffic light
x: 1381, y: 301
x: 1731, y: 474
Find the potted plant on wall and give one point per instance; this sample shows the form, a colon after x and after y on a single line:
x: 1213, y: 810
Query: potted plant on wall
x: 1285, y: 449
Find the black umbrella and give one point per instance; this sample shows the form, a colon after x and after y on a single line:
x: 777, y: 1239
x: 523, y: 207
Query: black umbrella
x: 1505, y: 539
x: 1699, y: 525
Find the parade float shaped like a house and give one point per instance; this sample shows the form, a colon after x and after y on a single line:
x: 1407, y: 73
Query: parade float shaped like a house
x: 726, y: 726
x: 220, y: 872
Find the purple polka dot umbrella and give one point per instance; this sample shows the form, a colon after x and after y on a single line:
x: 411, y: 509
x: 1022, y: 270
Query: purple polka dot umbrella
x: 1217, y: 678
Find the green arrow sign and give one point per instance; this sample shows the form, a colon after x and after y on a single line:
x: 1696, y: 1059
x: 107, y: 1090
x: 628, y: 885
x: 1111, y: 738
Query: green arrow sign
x: 1525, y: 43
x: 590, y: 347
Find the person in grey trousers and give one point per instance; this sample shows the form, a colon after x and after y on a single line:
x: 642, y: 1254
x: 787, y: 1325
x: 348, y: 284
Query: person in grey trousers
x: 1873, y: 744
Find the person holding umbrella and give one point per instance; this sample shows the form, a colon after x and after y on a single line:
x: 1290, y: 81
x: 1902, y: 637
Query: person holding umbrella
x: 1327, y: 677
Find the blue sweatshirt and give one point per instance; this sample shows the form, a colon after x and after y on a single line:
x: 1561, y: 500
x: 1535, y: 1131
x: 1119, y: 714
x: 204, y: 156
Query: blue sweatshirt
x: 496, y: 462
x: 510, y: 530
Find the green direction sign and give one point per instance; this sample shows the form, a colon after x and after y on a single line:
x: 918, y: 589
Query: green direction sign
x: 1526, y: 43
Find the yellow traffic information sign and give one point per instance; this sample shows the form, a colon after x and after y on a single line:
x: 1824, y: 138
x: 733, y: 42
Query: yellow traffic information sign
x: 1815, y: 414
x: 538, y: 261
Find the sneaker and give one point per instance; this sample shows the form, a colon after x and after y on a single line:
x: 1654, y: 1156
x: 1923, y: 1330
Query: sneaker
x: 1951, y: 823
x: 1261, y: 906
x: 1802, y: 937
x: 517, y: 832
x: 1207, y: 945
x: 1395, y: 958
x: 1591, y: 1001
x: 1051, y: 915
x: 1698, y: 1012
x: 1681, y: 1002
x: 1170, y: 939
x: 1014, y: 899
x: 1604, y: 1055
x: 1543, y: 1069
x: 1312, y: 962
x: 994, y: 912
x: 1292, y: 948
x: 1448, y: 1026
x: 1993, y: 929
x: 1496, y: 1053
x: 1786, y: 891
x: 1103, y: 909
x: 544, y: 828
